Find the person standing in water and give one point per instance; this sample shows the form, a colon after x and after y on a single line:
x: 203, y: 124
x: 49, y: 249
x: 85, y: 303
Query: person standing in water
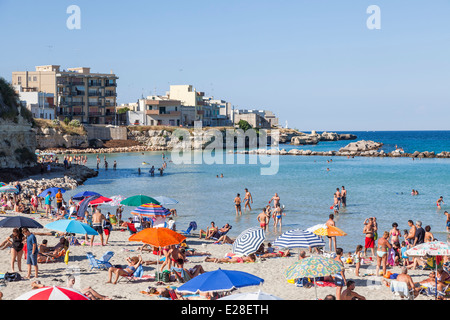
x: 439, y: 202
x: 237, y: 204
x: 344, y: 197
x: 276, y: 200
x: 247, y: 199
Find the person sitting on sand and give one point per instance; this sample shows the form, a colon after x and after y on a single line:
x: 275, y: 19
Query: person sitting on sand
x: 192, y: 272
x: 232, y: 259
x: 222, y: 231
x: 133, y: 264
x: 349, y: 294
x: 209, y: 231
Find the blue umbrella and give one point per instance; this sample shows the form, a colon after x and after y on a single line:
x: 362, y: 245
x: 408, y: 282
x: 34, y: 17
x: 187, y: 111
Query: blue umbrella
x: 71, y: 226
x: 297, y: 238
x: 85, y: 194
x: 82, y: 206
x: 220, y: 280
x: 53, y: 191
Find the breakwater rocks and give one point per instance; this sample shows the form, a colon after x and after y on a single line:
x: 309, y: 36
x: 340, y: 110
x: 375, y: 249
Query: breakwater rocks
x: 58, y: 177
x: 314, y: 138
x: 361, y: 148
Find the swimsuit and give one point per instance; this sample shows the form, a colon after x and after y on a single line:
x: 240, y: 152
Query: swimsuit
x: 381, y: 253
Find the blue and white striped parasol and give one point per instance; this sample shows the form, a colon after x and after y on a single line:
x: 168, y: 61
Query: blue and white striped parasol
x: 249, y: 241
x: 297, y: 238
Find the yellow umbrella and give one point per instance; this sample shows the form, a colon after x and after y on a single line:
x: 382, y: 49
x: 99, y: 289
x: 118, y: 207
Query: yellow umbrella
x: 325, y: 230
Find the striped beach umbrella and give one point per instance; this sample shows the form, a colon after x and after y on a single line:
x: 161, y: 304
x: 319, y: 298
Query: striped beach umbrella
x: 9, y: 189
x: 297, y: 238
x: 249, y: 241
x: 53, y: 293
x: 151, y: 210
x: 2, y: 184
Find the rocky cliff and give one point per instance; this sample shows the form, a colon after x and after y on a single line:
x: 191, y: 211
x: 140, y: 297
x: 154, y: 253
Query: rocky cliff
x: 17, y: 139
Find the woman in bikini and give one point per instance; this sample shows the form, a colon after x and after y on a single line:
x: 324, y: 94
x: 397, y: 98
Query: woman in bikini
x: 382, y: 252
x: 395, y: 234
x: 133, y: 264
x: 428, y: 235
x: 17, y: 244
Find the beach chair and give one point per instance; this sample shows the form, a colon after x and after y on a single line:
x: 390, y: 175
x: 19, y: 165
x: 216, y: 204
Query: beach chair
x: 180, y: 274
x: 47, y: 258
x: 192, y: 226
x: 131, y: 228
x: 136, y: 275
x: 400, y: 289
x: 96, y: 263
x: 429, y: 290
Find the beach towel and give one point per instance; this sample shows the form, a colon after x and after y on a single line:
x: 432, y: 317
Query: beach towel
x: 391, y: 257
x: 400, y: 288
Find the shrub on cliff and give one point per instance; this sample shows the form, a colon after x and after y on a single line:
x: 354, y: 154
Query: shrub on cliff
x: 10, y: 107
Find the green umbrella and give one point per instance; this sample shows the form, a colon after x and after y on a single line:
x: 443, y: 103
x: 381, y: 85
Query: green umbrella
x: 313, y: 267
x: 138, y: 200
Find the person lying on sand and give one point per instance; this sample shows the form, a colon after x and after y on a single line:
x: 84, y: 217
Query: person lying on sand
x: 278, y: 254
x: 232, y: 259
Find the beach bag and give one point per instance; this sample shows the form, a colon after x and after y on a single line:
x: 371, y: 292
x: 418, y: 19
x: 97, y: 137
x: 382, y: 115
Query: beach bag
x: 12, y: 276
x: 162, y: 276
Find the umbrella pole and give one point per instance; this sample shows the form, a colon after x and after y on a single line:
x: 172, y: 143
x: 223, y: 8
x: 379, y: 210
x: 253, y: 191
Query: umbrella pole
x: 315, y: 287
x: 435, y: 278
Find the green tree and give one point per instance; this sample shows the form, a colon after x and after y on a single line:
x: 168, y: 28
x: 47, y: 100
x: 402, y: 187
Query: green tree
x: 244, y: 125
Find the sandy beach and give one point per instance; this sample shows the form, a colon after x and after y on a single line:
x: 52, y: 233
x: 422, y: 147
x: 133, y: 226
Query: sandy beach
x: 271, y: 270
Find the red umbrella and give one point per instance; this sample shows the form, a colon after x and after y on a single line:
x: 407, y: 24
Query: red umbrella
x: 53, y: 293
x: 100, y: 200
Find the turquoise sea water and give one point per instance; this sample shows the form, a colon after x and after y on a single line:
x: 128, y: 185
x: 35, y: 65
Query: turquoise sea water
x: 377, y: 187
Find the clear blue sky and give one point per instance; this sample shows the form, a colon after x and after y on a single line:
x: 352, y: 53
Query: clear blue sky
x: 314, y: 63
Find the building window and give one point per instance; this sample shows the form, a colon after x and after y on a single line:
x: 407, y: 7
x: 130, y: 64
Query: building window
x: 34, y: 78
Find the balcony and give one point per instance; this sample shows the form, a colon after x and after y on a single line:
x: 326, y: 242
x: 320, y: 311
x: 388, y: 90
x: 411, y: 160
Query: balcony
x: 152, y: 112
x: 110, y: 94
x: 95, y: 84
x: 78, y: 93
x: 94, y: 104
x: 77, y: 103
x: 110, y: 84
x: 95, y: 113
x: 94, y: 94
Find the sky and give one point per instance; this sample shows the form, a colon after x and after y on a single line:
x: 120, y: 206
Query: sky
x: 315, y: 64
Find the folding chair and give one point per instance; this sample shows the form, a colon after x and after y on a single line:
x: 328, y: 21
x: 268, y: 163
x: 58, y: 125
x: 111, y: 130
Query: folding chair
x: 96, y: 263
x: 136, y: 275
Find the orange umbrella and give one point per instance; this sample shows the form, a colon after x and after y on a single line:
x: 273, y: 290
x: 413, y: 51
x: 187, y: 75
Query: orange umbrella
x: 335, y: 232
x: 325, y: 230
x: 158, y: 237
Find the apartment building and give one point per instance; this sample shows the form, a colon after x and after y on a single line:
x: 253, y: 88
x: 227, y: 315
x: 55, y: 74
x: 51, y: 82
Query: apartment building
x: 79, y: 93
x: 161, y: 111
x: 40, y: 104
x: 188, y: 96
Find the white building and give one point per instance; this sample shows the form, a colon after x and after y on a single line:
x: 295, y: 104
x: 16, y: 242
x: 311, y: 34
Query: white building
x: 40, y: 104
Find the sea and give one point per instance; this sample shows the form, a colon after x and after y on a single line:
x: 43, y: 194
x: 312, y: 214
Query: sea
x: 376, y: 187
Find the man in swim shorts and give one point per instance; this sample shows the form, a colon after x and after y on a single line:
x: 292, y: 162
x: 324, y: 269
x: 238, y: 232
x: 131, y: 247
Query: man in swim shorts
x: 344, y: 197
x: 440, y: 201
x: 448, y: 220
x: 237, y: 204
x: 263, y: 220
x: 276, y: 200
x: 247, y: 199
x: 97, y: 225
x: 369, y: 240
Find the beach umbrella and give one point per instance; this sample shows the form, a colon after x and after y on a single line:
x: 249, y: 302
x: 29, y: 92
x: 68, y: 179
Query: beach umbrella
x: 249, y: 241
x: 151, y: 210
x: 433, y: 248
x: 53, y: 191
x: 2, y: 184
x: 165, y: 200
x: 313, y: 267
x: 100, y: 200
x: 115, y: 200
x: 297, y: 238
x: 9, y: 189
x: 251, y: 296
x: 158, y: 237
x: 53, y: 293
x: 138, y: 200
x: 220, y: 280
x: 325, y: 230
x: 83, y: 205
x: 71, y: 226
x: 18, y: 222
x: 85, y: 194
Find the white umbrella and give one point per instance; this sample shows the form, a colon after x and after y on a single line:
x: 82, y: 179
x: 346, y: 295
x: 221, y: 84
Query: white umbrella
x: 251, y: 296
